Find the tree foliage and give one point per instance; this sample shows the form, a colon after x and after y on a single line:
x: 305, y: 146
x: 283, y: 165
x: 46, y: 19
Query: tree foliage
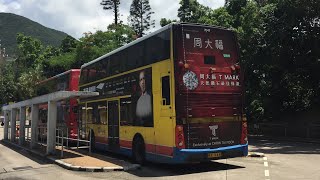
x: 164, y: 21
x: 140, y: 16
x: 114, y: 5
x: 279, y: 43
x: 8, y: 86
x: 184, y: 12
x: 29, y: 50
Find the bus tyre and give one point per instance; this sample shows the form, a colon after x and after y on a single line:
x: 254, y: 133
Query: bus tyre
x: 138, y: 152
x: 93, y: 140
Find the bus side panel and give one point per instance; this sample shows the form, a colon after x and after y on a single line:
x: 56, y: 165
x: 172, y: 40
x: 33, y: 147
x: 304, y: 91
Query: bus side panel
x: 164, y: 111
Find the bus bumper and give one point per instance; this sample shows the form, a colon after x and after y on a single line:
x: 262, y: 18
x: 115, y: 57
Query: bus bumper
x: 202, y: 155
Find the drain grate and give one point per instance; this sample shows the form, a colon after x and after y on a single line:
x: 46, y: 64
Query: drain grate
x: 22, y: 168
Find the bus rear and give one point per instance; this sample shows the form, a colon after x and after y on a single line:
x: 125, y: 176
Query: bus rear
x: 208, y: 94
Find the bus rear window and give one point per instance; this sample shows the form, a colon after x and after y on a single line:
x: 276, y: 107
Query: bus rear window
x: 209, y: 60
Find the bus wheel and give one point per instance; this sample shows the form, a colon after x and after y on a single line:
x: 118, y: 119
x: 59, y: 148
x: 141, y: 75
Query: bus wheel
x: 93, y: 140
x: 138, y: 151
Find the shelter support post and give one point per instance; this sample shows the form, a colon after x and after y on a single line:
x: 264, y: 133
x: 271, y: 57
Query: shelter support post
x: 34, y: 124
x: 22, y: 129
x: 7, y: 115
x: 13, y: 124
x: 51, y: 127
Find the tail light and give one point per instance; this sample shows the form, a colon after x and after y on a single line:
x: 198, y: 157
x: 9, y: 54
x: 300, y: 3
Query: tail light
x: 180, y: 137
x: 244, y: 137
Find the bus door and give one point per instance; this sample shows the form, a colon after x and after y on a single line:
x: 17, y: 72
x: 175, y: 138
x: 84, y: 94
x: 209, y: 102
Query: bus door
x: 164, y: 133
x: 165, y: 90
x: 113, y: 125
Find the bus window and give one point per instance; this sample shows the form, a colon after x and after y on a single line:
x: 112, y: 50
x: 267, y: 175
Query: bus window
x: 90, y: 113
x: 209, y: 60
x: 165, y: 90
x: 102, y: 109
x: 97, y: 112
x: 126, y: 112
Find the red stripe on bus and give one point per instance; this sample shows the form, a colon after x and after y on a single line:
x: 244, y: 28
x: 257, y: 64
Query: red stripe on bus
x: 164, y: 150
x: 101, y: 139
x: 151, y: 148
x: 126, y: 144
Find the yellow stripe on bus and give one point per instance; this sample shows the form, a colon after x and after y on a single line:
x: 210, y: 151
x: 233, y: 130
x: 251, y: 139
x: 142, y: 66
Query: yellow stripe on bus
x: 216, y: 119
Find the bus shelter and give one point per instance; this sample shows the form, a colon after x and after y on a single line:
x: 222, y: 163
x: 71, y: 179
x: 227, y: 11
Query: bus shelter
x: 10, y: 112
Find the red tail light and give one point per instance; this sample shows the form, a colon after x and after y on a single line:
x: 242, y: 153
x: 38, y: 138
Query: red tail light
x: 180, y: 137
x: 244, y: 138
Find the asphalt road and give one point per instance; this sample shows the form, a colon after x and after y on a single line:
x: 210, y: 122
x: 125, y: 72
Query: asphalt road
x: 283, y: 160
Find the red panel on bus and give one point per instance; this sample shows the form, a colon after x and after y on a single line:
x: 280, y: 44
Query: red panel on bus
x: 208, y: 85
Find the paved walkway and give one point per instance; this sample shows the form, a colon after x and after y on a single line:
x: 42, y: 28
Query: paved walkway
x: 79, y: 160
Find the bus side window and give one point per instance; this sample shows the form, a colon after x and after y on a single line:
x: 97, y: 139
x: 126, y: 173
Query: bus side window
x: 165, y: 90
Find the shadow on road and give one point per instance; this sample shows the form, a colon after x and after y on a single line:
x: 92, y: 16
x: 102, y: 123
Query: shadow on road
x: 274, y: 146
x: 161, y: 170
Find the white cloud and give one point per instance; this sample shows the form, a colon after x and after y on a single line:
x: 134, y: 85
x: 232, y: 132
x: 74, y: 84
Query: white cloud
x: 77, y: 17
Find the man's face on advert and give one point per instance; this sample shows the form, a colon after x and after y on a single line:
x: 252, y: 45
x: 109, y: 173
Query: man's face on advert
x: 142, y: 82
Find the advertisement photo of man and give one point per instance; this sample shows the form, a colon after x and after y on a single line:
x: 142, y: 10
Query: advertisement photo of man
x: 144, y: 102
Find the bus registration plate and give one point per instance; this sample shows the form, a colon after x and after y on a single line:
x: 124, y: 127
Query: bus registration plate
x: 214, y: 155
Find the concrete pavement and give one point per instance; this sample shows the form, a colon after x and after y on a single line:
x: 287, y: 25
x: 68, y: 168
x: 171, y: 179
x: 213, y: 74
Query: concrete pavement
x: 77, y: 160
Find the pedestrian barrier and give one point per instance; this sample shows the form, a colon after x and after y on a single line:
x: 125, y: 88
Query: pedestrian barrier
x: 62, y: 140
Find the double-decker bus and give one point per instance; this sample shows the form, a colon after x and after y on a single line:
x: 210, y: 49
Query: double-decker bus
x: 66, y: 110
x: 173, y: 96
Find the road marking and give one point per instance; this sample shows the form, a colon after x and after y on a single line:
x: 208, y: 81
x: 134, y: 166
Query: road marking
x: 266, y: 173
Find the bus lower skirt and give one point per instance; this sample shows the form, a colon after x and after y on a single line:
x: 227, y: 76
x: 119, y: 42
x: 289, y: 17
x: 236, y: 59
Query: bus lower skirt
x: 205, y: 156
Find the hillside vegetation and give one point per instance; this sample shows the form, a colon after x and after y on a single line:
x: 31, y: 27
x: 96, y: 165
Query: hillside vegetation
x: 11, y: 24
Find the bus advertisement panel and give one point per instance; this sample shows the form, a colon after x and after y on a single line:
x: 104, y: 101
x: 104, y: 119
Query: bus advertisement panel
x: 209, y: 102
x: 137, y: 87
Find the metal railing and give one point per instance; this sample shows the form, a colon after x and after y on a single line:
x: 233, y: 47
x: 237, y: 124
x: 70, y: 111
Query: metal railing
x: 42, y: 135
x: 27, y: 133
x: 62, y: 139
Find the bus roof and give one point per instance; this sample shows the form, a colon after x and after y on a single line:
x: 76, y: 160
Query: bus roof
x: 146, y: 37
x: 59, y: 75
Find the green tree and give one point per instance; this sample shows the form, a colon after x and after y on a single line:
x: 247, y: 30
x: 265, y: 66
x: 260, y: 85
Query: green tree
x: 92, y: 46
x: 29, y: 50
x: 217, y: 17
x: 184, y: 12
x: 68, y: 44
x: 234, y: 8
x: 191, y: 11
x: 164, y: 21
x: 140, y: 16
x: 114, y: 5
x: 8, y: 86
x: 27, y: 80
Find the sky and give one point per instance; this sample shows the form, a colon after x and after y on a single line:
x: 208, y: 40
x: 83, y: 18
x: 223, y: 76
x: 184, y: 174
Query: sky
x: 75, y: 17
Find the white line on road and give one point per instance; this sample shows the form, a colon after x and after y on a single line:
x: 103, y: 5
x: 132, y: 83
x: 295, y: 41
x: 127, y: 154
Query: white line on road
x: 266, y: 164
x: 265, y: 158
x: 266, y: 173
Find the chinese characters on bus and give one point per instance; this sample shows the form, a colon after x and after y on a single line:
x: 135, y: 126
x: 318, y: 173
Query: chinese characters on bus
x: 219, y: 80
x: 198, y: 43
